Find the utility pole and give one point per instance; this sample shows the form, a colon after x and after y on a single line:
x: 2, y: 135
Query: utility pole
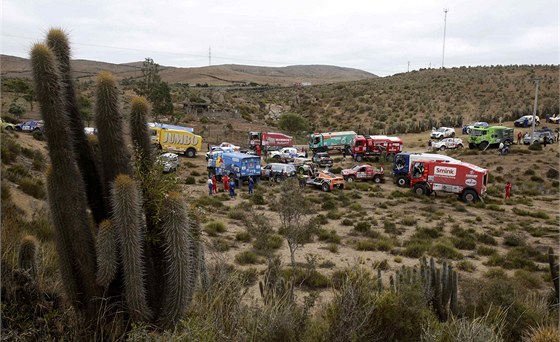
x: 445, y: 10
x: 408, y: 68
x: 536, y: 79
x: 209, y: 56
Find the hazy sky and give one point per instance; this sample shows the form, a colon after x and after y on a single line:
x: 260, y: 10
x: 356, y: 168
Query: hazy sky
x: 376, y: 36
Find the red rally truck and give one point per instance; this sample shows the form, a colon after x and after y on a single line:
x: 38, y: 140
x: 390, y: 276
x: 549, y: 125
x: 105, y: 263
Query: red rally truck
x: 269, y: 139
x: 466, y: 180
x: 375, y: 145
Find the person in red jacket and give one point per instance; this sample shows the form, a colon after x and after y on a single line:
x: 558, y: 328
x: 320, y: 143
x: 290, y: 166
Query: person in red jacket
x: 258, y: 150
x: 225, y: 179
x: 214, y: 185
x: 508, y: 190
x: 519, y: 137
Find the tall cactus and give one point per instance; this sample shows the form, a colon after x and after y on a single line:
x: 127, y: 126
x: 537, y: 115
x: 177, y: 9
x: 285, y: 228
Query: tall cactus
x: 139, y: 130
x: 57, y: 41
x: 66, y: 194
x: 27, y: 256
x: 148, y: 251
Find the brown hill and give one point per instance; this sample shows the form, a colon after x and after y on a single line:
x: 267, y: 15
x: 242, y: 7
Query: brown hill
x: 213, y: 75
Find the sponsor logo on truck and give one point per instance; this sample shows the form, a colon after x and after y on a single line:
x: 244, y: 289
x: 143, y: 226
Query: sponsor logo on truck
x: 470, y: 182
x: 180, y: 138
x: 445, y: 171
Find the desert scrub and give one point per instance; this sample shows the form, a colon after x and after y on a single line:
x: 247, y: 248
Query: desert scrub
x: 213, y: 228
x: 362, y: 226
x: 334, y: 214
x: 329, y: 236
x: 33, y: 187
x: 536, y: 214
x: 190, y: 180
x: 486, y: 251
x: 209, y: 201
x: 465, y: 265
x: 236, y: 214
x: 243, y: 236
x: 247, y: 257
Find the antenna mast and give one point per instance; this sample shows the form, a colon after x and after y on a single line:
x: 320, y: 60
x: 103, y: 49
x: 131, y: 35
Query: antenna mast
x: 209, y: 56
x: 445, y: 10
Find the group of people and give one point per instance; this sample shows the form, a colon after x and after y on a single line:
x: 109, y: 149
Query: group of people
x: 229, y: 185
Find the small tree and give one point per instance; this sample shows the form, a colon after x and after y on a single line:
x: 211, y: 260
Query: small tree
x: 152, y: 87
x: 293, y: 123
x: 292, y: 208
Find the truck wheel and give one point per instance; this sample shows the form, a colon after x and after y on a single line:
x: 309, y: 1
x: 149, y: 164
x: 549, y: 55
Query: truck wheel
x: 401, y: 181
x: 471, y: 146
x: 359, y: 157
x: 325, y: 187
x: 191, y: 152
x: 420, y: 189
x: 460, y: 147
x: 482, y: 146
x: 278, y: 179
x: 470, y: 196
x: 350, y: 179
x: 452, y: 135
x: 377, y: 179
x: 442, y: 148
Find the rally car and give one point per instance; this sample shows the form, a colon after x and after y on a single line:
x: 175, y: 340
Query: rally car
x: 448, y: 143
x: 442, y: 132
x: 326, y: 181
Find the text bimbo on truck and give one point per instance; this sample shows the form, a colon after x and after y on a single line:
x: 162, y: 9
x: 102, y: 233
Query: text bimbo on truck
x: 177, y: 141
x: 403, y: 161
x: 235, y: 165
x: 322, y: 142
x: 375, y: 145
x: 466, y: 180
x: 482, y: 137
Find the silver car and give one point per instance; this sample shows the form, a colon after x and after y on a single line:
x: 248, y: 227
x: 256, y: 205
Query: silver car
x: 169, y: 161
x: 278, y: 171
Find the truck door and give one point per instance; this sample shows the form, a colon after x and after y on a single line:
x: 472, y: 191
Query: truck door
x: 417, y: 170
x: 369, y: 172
x: 361, y: 172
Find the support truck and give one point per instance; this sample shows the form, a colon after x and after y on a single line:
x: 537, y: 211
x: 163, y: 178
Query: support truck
x: 322, y: 142
x: 235, y: 165
x: 269, y: 139
x: 403, y: 161
x: 177, y: 141
x: 483, y: 137
x: 466, y: 180
x: 375, y: 145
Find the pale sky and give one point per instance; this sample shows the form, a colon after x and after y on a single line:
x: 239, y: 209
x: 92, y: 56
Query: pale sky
x: 380, y: 37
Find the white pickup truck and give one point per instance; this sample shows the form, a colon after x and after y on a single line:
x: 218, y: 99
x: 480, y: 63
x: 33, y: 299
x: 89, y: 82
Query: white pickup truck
x: 286, y: 154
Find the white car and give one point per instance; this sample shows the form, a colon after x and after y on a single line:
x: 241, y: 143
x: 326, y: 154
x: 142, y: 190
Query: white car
x: 443, y: 132
x: 448, y: 143
x: 286, y: 153
x: 169, y: 161
x: 227, y: 145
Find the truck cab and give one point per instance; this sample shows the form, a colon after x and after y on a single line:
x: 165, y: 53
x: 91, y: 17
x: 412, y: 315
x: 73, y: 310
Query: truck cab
x: 484, y: 137
x: 466, y: 180
x: 403, y: 160
x: 375, y: 145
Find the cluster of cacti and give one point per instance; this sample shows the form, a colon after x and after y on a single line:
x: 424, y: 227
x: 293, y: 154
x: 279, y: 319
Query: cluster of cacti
x: 440, y: 285
x: 275, y: 289
x: 27, y: 256
x: 144, y: 250
x: 554, y: 266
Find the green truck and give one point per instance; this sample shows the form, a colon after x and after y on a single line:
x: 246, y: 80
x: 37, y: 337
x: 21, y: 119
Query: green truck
x: 483, y: 137
x: 322, y: 142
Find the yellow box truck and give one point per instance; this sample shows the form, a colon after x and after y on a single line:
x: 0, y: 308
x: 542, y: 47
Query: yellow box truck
x: 176, y: 141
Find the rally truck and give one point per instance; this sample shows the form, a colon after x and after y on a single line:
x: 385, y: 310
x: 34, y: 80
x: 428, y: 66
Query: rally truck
x: 363, y: 172
x: 266, y: 140
x: 235, y: 165
x: 466, y: 180
x: 403, y: 160
x: 155, y: 127
x: 177, y: 141
x: 375, y: 145
x: 483, y: 137
x: 322, y: 142
x: 326, y: 181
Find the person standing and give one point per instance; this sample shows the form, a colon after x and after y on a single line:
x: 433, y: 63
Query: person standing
x: 508, y: 190
x: 258, y: 150
x: 214, y: 184
x: 251, y: 184
x: 210, y: 186
x: 519, y: 136
x: 225, y: 179
x: 232, y: 188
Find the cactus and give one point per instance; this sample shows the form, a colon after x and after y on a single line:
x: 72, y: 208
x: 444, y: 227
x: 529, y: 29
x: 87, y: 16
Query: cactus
x: 140, y: 226
x: 27, y: 256
x: 89, y: 168
x: 106, y: 248
x: 66, y: 194
x: 554, y: 273
x: 126, y: 205
x: 139, y: 130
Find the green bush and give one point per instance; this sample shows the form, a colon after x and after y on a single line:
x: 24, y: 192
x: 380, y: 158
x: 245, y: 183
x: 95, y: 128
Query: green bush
x: 485, y: 251
x: 33, y: 187
x: 444, y: 249
x: 362, y: 226
x: 514, y: 240
x: 190, y: 180
x: 246, y: 257
x: 328, y: 236
x: 243, y: 236
x: 366, y: 245
x: 236, y: 214
x: 214, y: 227
x: 334, y: 214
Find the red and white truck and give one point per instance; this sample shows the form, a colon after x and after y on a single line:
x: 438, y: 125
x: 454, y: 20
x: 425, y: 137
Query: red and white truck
x: 375, y: 145
x: 466, y: 180
x: 363, y: 172
x: 269, y: 139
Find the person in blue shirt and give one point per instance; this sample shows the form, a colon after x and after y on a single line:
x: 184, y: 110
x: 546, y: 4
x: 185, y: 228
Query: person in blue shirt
x: 251, y: 184
x: 232, y: 188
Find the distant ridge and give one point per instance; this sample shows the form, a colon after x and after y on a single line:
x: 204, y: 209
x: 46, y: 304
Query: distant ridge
x: 225, y: 74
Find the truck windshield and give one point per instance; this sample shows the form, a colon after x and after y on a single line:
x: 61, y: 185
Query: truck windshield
x: 400, y: 162
x: 478, y: 132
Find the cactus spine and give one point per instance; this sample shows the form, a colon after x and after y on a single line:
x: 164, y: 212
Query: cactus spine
x: 66, y: 196
x: 58, y: 43
x: 27, y: 256
x: 126, y: 205
x: 106, y: 248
